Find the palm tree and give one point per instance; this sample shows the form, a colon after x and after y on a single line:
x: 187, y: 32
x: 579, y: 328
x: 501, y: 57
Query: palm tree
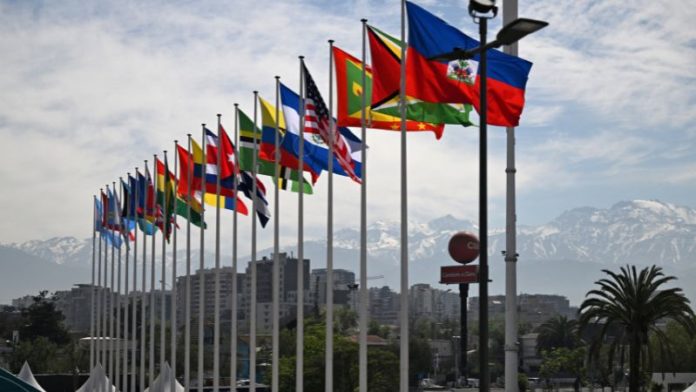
x: 631, y: 303
x: 557, y: 332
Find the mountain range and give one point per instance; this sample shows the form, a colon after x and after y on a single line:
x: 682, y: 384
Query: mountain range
x: 564, y: 256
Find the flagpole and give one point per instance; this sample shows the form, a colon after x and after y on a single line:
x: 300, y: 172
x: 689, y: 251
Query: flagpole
x: 362, y: 362
x: 201, y: 272
x: 124, y: 224
x: 173, y: 318
x: 163, y: 279
x: 134, y: 324
x: 511, y: 348
x: 404, y: 213
x: 275, y: 361
x: 111, y: 309
x: 187, y: 330
x: 252, y: 311
x: 143, y: 295
x: 299, y: 349
x: 233, y: 316
x: 105, y: 299
x: 93, y: 291
x: 216, y: 325
x: 100, y: 290
x: 152, y: 275
x: 328, y: 381
x: 117, y: 329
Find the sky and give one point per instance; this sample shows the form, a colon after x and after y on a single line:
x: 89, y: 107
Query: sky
x: 90, y: 90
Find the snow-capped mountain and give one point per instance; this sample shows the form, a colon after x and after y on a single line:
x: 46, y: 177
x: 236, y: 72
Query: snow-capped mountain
x: 563, y: 256
x: 60, y: 250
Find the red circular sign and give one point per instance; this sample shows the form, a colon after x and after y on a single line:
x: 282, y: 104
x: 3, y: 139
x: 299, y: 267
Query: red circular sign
x: 464, y: 247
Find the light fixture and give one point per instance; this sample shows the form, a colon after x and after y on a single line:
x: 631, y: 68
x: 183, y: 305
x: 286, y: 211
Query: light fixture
x: 517, y: 29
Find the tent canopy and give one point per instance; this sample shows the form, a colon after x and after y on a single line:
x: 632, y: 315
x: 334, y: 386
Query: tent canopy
x: 97, y: 378
x: 10, y: 383
x: 28, y: 377
x: 163, y: 382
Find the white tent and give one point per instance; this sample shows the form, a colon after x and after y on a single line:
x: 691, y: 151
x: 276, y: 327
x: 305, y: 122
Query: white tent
x: 28, y: 377
x: 163, y: 382
x: 97, y: 382
x: 692, y: 388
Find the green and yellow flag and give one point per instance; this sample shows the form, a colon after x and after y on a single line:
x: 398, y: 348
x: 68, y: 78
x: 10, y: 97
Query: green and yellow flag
x: 250, y: 135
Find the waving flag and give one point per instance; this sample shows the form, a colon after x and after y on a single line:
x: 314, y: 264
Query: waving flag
x: 316, y: 152
x: 349, y: 91
x: 145, y: 213
x: 250, y: 135
x: 386, y: 65
x: 457, y: 80
x: 289, y: 142
x: 317, y: 122
x: 109, y: 236
x: 246, y: 185
x: 226, y: 184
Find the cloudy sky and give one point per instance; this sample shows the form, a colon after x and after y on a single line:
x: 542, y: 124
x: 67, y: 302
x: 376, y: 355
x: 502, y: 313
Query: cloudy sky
x: 88, y: 90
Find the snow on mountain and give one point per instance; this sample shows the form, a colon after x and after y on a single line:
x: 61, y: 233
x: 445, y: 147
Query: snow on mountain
x: 60, y: 250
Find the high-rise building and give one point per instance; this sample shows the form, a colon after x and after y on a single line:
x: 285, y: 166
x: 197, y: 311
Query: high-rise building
x: 342, y: 281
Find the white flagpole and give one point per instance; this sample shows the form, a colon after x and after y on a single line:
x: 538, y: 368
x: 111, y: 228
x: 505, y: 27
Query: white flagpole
x: 276, y: 250
x: 92, y: 290
x: 100, y: 290
x: 187, y: 330
x: 163, y: 277
x: 134, y: 324
x: 152, y: 276
x: 201, y: 282
x: 233, y: 315
x: 511, y: 350
x: 111, y: 310
x: 328, y: 383
x: 105, y: 301
x: 299, y: 349
x: 216, y: 325
x: 404, y: 214
x: 173, y: 319
x: 362, y: 362
x: 124, y: 383
x: 117, y: 354
x: 252, y: 311
x: 143, y: 294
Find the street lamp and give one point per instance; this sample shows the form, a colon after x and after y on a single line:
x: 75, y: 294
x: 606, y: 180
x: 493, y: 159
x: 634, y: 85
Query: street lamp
x: 481, y: 11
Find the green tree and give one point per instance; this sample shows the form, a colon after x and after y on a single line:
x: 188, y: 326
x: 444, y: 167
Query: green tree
x: 683, y: 350
x: 556, y: 332
x: 563, y: 361
x: 633, y: 302
x: 42, y: 319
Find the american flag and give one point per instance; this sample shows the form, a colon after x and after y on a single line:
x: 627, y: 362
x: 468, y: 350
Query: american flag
x: 317, y: 122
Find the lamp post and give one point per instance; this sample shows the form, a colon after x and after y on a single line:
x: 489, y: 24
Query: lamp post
x: 481, y: 11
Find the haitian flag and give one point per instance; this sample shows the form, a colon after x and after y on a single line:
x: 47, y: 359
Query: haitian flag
x: 457, y: 81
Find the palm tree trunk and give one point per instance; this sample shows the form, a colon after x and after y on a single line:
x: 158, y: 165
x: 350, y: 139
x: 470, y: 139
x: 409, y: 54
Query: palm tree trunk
x: 634, y: 364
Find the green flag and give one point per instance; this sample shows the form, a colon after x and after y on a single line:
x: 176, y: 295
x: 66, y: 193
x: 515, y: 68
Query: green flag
x: 248, y: 135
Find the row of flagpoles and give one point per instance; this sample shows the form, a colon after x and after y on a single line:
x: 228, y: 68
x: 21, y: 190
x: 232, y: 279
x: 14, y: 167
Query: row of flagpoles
x: 217, y: 169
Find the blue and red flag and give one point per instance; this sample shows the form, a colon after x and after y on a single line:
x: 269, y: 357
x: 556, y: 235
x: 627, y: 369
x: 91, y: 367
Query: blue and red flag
x: 457, y: 81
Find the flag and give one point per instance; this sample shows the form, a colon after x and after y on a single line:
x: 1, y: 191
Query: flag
x: 349, y: 91
x: 145, y: 188
x: 316, y: 151
x: 289, y: 147
x: 385, y: 52
x: 109, y: 236
x: 226, y: 202
x: 165, y: 197
x: 250, y: 135
x: 246, y: 185
x: 317, y: 122
x: 226, y: 184
x: 457, y: 80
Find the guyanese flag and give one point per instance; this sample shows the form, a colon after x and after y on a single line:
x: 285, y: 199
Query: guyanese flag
x: 385, y: 51
x: 349, y: 92
x: 250, y: 135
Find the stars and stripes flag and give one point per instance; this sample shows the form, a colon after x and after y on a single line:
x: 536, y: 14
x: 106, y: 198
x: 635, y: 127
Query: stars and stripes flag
x: 317, y: 122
